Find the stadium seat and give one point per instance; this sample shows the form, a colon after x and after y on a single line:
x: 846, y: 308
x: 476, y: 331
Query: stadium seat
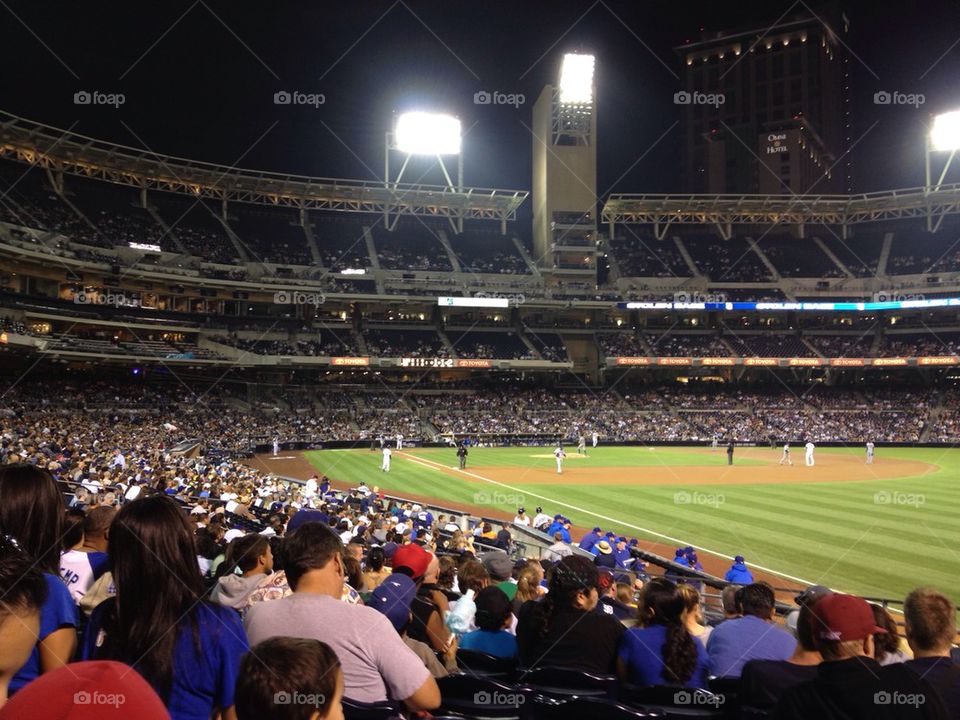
x: 481, y: 697
x: 354, y: 710
x: 473, y: 662
x: 564, y: 682
x: 676, y: 701
x: 588, y: 708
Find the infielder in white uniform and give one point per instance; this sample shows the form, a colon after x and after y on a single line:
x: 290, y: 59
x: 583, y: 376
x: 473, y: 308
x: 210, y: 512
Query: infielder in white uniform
x: 582, y: 446
x: 808, y: 457
x: 596, y: 438
x: 785, y: 457
x: 559, y: 454
x: 399, y: 441
x: 385, y: 465
x: 870, y: 453
x: 276, y: 447
x: 713, y: 444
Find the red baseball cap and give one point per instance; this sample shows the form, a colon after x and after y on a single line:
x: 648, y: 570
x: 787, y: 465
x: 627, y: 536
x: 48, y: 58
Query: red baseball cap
x: 841, y: 617
x: 414, y: 557
x: 94, y: 690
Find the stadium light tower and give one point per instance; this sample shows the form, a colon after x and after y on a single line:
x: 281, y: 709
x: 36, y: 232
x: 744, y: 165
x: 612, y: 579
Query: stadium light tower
x: 944, y: 136
x: 423, y: 134
x: 565, y: 174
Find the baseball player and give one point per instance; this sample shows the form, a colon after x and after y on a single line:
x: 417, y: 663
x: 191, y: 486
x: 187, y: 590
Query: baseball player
x: 785, y: 457
x: 870, y: 452
x: 385, y: 465
x: 559, y: 454
x: 276, y: 447
x: 714, y: 443
x: 808, y: 457
x: 582, y: 446
x: 462, y: 455
x: 399, y: 441
x: 595, y: 438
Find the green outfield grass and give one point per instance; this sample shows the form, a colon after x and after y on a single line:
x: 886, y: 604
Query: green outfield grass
x: 874, y: 537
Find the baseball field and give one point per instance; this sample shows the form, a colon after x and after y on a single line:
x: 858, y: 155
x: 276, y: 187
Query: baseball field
x: 876, y: 530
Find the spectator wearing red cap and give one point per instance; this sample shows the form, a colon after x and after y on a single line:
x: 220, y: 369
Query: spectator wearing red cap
x: 930, y: 624
x: 376, y: 663
x: 97, y: 690
x: 430, y: 605
x: 849, y: 682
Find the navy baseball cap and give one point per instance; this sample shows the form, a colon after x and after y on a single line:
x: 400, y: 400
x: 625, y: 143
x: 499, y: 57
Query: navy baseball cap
x: 558, y: 516
x: 393, y: 598
x: 596, y: 530
x: 739, y: 559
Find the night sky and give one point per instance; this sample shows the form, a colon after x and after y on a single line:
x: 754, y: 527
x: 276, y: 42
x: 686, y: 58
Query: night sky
x: 199, y: 78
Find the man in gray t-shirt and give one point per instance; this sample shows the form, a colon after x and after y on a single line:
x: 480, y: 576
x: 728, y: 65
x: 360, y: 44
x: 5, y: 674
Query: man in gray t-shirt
x: 376, y: 663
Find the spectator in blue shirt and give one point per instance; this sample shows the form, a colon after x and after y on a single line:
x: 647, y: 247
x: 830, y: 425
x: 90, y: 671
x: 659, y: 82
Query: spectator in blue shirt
x: 188, y: 649
x: 32, y: 514
x: 622, y: 553
x: 556, y: 526
x: 494, y: 616
x: 24, y: 591
x: 591, y: 539
x: 751, y: 637
x: 738, y: 572
x: 662, y: 652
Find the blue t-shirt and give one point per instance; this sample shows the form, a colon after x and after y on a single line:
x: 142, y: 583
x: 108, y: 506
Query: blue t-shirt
x: 499, y: 644
x: 59, y: 611
x: 200, y: 682
x: 733, y: 642
x: 641, y: 650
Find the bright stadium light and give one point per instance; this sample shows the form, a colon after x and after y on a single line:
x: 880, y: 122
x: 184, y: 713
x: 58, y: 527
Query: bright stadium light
x: 945, y: 132
x: 576, y: 79
x: 422, y: 133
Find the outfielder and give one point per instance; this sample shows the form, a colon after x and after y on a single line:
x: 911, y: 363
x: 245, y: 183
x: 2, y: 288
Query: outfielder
x: 399, y: 441
x: 808, y: 457
x: 595, y: 438
x: 785, y: 457
x: 559, y: 454
x: 276, y: 447
x: 385, y: 465
x: 870, y: 453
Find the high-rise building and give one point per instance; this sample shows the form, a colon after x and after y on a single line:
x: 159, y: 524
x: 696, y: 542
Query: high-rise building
x: 767, y: 109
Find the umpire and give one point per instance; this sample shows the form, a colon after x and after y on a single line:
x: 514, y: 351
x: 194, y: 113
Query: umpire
x: 462, y: 455
x: 730, y: 453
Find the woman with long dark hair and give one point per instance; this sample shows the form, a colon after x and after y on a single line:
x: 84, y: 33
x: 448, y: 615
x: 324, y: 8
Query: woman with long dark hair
x: 562, y: 629
x: 189, y: 650
x: 663, y: 652
x: 32, y: 514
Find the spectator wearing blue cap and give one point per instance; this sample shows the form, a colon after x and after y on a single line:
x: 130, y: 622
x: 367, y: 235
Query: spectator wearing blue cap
x: 565, y: 530
x: 738, y: 572
x: 591, y: 539
x: 556, y: 526
x: 393, y: 597
x: 621, y: 553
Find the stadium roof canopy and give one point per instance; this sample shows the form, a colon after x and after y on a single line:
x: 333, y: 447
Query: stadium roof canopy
x: 725, y: 211
x: 61, y: 151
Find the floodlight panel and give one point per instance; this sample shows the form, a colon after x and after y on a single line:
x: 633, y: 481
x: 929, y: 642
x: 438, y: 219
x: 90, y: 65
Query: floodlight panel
x: 945, y: 133
x: 422, y: 133
x: 576, y: 79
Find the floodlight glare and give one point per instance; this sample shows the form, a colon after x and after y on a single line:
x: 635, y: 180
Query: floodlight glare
x: 421, y: 133
x: 945, y: 133
x: 576, y: 79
